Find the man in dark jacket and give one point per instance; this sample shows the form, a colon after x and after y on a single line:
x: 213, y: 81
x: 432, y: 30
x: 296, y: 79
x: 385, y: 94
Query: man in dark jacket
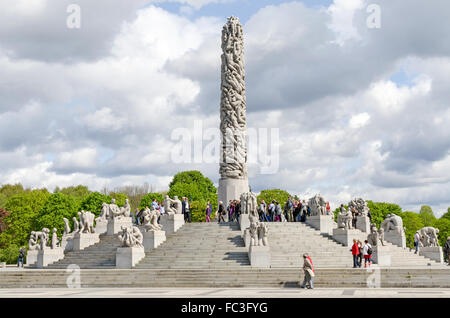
x: 447, y: 250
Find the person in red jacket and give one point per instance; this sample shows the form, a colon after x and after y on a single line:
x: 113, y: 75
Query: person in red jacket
x: 355, y: 253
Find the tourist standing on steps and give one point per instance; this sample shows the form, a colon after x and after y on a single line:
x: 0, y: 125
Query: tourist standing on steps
x: 367, y: 252
x: 262, y: 211
x: 355, y: 253
x: 279, y: 211
x: 416, y: 241
x: 21, y: 257
x: 208, y: 212
x: 360, y: 255
x: 221, y: 212
x: 272, y: 211
x: 328, y: 208
x: 308, y: 268
x: 297, y: 210
x: 447, y: 250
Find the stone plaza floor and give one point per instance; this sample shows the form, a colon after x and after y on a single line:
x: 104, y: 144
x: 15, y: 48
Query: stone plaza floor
x: 224, y: 293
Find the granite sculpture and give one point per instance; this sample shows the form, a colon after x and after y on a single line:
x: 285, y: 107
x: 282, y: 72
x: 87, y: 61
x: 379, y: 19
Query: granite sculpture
x: 429, y: 236
x: 360, y: 206
x: 151, y: 220
x: 393, y: 223
x: 66, y: 226
x: 233, y: 123
x: 131, y: 237
x: 318, y: 205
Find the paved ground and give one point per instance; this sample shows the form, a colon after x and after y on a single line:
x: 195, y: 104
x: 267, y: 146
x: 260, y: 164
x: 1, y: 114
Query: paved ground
x: 223, y: 293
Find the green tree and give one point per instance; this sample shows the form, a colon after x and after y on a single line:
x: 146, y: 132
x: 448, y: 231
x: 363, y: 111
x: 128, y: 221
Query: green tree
x: 78, y: 193
x: 3, y: 200
x: 119, y: 197
x: 9, y: 190
x: 3, y: 215
x: 148, y: 199
x: 10, y: 254
x: 94, y: 201
x: 24, y: 209
x: 280, y: 196
x: 426, y: 213
x: 412, y: 222
x: 57, y: 207
x: 204, y: 184
x: 443, y: 225
x: 446, y: 215
x: 379, y: 211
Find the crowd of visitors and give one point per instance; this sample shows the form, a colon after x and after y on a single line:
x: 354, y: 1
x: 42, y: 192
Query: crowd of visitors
x: 359, y: 251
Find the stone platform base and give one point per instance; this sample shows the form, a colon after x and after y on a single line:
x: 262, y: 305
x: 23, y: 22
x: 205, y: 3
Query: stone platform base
x: 433, y: 252
x: 259, y: 256
x: 83, y: 240
x: 101, y: 226
x: 363, y: 224
x: 346, y: 237
x: 67, y: 242
x: 32, y: 256
x: 246, y: 237
x: 395, y: 238
x: 48, y: 256
x: 115, y: 225
x: 323, y: 223
x: 128, y: 257
x: 231, y: 189
x: 244, y: 222
x: 171, y: 223
x: 381, y: 256
x: 153, y: 239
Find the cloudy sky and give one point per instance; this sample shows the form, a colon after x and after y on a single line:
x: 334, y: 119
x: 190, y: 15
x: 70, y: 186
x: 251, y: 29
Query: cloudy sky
x: 360, y: 111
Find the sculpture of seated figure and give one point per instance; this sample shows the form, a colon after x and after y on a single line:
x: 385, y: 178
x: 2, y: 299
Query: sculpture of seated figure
x: 151, y: 220
x: 392, y: 223
x: 168, y: 206
x: 131, y: 237
x: 104, y: 214
x: 113, y: 209
x: 33, y: 242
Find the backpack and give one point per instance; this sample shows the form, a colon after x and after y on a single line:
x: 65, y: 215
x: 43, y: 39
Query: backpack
x: 369, y: 251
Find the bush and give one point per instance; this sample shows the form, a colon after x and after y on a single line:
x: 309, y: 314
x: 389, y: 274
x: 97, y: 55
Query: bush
x: 24, y: 209
x: 10, y: 254
x: 57, y: 207
x: 198, y: 211
x: 148, y: 199
x: 413, y: 222
x: 280, y: 196
x: 94, y: 201
x: 444, y: 229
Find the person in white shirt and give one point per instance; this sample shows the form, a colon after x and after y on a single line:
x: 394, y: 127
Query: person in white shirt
x: 416, y: 241
x: 367, y: 252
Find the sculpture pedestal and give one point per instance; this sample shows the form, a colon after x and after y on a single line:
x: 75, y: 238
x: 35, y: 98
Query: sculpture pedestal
x: 128, y: 257
x: 363, y: 224
x: 346, y: 237
x: 153, y: 239
x: 395, y: 238
x: 83, y: 240
x: 231, y: 189
x: 171, y: 223
x: 115, y: 225
x: 244, y: 222
x: 32, y: 256
x: 101, y: 226
x: 259, y: 256
x: 246, y: 237
x: 432, y: 252
x: 48, y: 256
x: 67, y: 242
x: 323, y: 223
x: 381, y: 255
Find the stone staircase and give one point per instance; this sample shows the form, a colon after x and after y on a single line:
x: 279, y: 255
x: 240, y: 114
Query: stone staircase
x: 288, y: 242
x: 200, y: 245
x: 101, y: 255
x: 399, y: 257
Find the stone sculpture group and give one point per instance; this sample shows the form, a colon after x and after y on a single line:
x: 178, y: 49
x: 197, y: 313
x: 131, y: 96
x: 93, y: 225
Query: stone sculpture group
x: 258, y: 234
x: 172, y: 206
x: 150, y: 217
x: 393, y: 223
x: 428, y: 237
x: 375, y: 236
x: 131, y: 237
x: 318, y: 205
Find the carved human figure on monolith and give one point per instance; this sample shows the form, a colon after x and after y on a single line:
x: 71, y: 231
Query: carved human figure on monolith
x: 393, y: 223
x: 66, y: 226
x: 318, y: 205
x: 429, y: 236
